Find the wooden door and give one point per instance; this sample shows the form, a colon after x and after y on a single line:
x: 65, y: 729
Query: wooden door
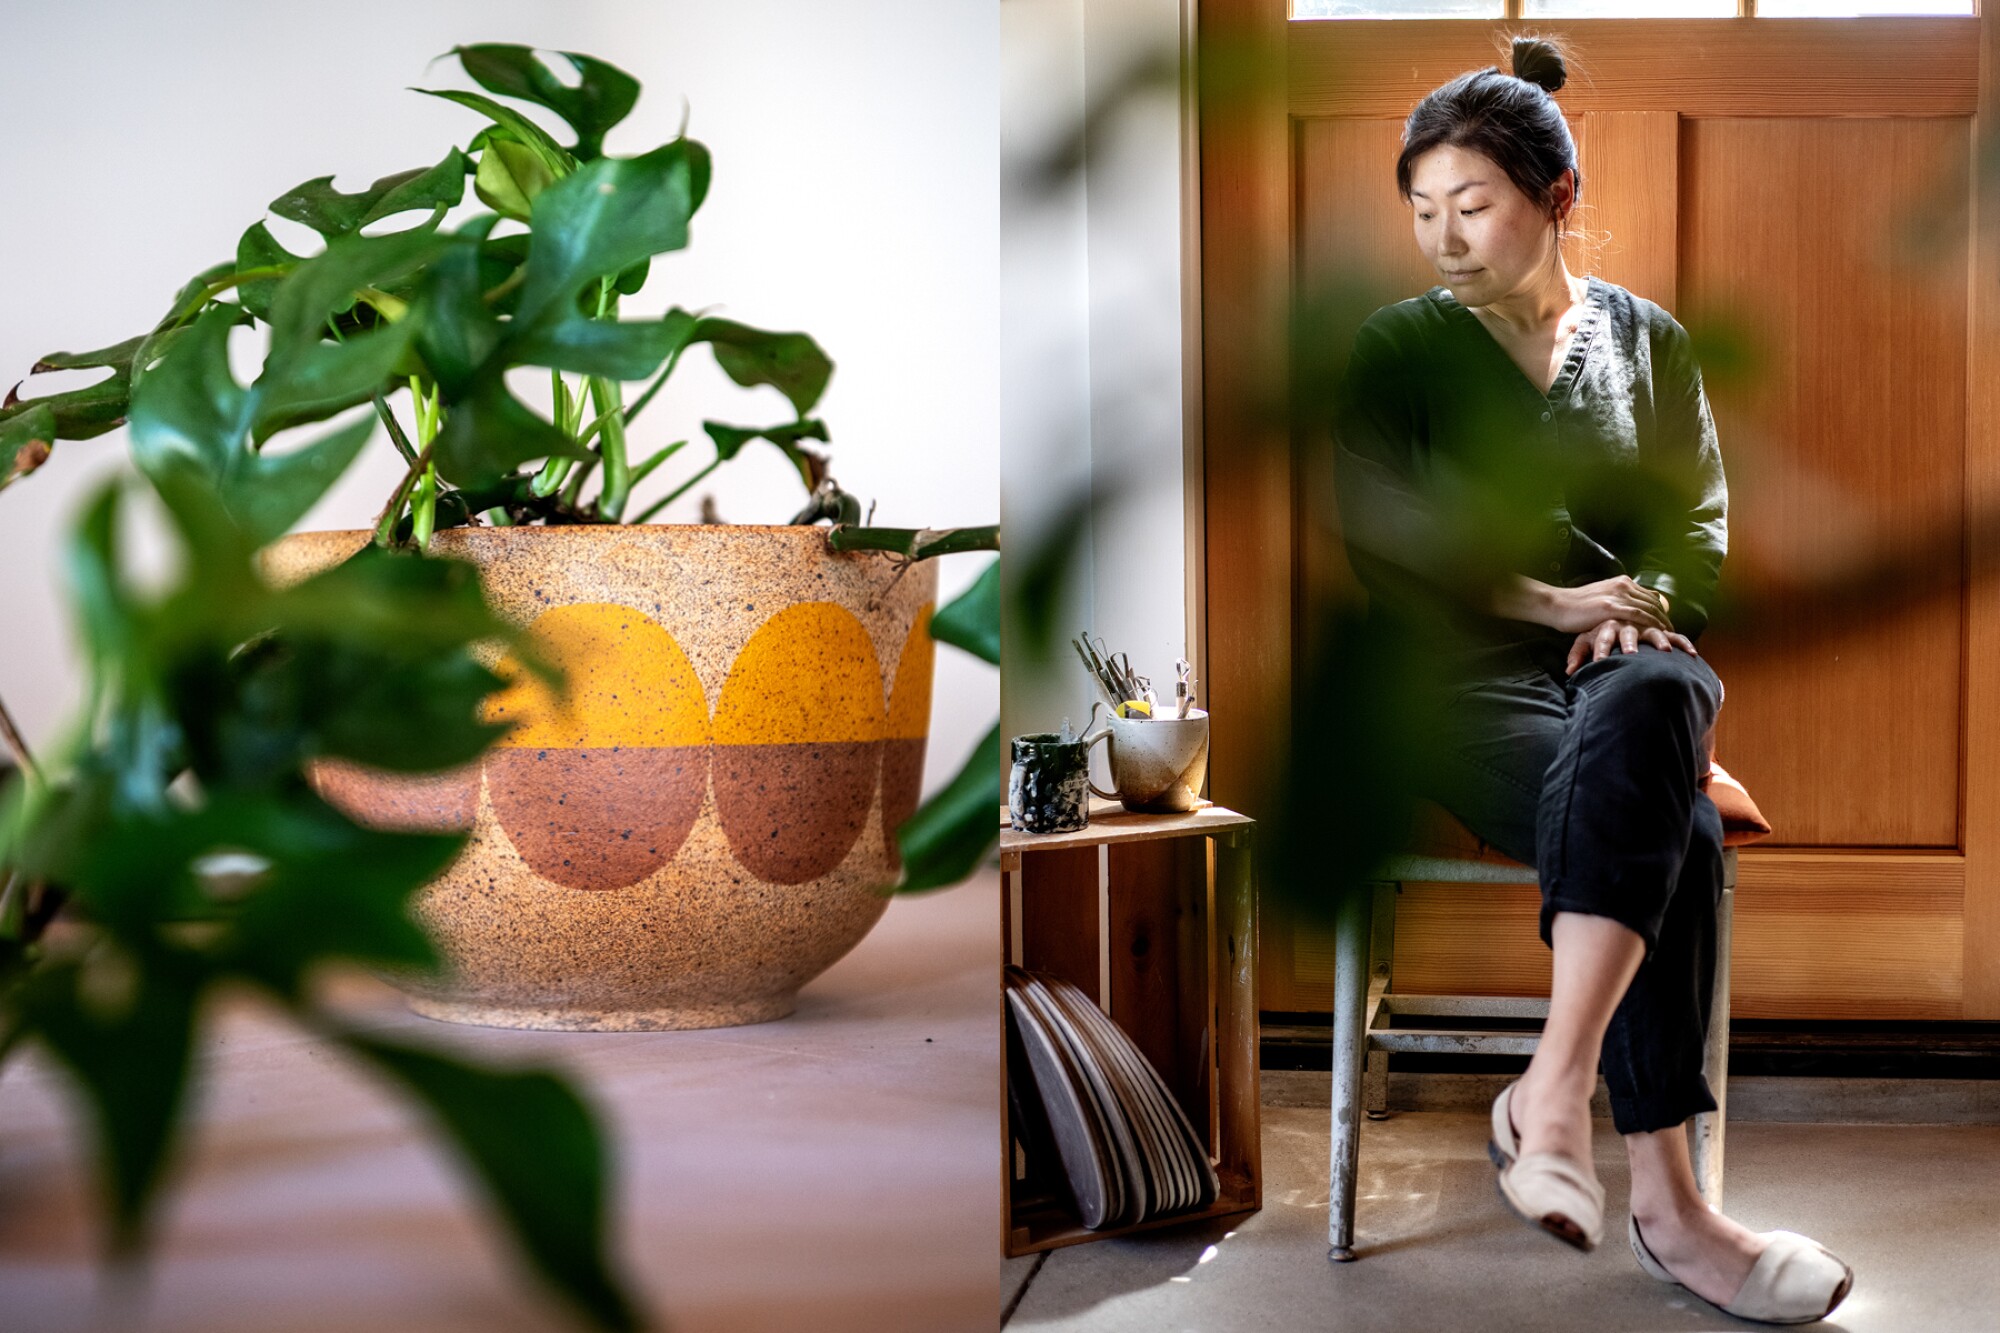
x: 1802, y: 185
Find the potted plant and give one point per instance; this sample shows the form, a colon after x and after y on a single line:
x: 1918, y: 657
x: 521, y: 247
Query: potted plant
x: 771, y: 666
x: 622, y: 774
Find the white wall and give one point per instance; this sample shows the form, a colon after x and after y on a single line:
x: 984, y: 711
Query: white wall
x: 1045, y: 426
x: 1091, y: 337
x: 856, y: 197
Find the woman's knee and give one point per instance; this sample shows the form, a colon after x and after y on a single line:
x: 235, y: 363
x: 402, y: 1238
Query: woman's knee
x: 1656, y: 679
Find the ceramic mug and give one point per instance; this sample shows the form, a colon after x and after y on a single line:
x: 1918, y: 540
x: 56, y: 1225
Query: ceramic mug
x: 1157, y: 764
x: 1048, y: 790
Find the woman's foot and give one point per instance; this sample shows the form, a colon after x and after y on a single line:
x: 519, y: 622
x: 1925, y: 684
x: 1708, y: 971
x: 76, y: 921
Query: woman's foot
x: 1553, y: 1115
x: 1706, y: 1252
x: 1555, y: 1188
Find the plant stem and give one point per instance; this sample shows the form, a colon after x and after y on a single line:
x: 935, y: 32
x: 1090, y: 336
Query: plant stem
x: 608, y: 397
x: 38, y: 903
x: 659, y: 382
x: 401, y: 441
x: 16, y: 745
x: 645, y: 469
x: 218, y: 287
x: 423, y: 505
x: 420, y: 468
x: 514, y: 279
x: 550, y: 479
x: 680, y: 490
x: 605, y: 395
x: 386, y: 521
x: 573, y: 491
x: 914, y: 543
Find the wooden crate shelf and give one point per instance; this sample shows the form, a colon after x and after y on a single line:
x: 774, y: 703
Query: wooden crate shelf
x: 1154, y: 917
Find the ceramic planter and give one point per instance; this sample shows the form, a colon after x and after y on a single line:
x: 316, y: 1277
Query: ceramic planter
x: 702, y: 822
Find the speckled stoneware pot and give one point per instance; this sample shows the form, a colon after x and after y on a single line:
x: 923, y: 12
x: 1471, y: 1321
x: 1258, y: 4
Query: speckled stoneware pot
x: 703, y: 822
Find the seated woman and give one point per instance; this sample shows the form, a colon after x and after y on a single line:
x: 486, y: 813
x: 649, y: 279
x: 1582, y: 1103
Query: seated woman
x: 1530, y: 490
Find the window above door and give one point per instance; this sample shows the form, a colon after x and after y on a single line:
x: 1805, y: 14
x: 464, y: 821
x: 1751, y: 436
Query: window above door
x: 1622, y: 9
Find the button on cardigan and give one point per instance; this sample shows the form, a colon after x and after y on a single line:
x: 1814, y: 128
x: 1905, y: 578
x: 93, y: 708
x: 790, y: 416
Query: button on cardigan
x: 1452, y: 469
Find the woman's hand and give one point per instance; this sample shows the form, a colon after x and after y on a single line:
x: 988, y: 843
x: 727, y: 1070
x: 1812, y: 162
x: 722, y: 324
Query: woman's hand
x: 1586, y: 609
x: 1580, y: 610
x: 1594, y: 644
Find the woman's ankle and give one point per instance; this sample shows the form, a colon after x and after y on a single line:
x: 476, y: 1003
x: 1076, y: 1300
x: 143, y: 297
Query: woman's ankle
x: 1548, y: 1089
x: 1667, y: 1209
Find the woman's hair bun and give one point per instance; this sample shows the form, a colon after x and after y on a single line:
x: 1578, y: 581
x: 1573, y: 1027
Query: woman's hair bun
x: 1537, y: 60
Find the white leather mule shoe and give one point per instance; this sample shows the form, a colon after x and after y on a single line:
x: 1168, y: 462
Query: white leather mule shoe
x: 1796, y: 1280
x: 1558, y: 1195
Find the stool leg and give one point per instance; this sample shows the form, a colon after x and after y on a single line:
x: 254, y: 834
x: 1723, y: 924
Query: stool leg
x: 1709, y: 1126
x: 1375, y: 1085
x: 1381, y: 954
x: 1350, y: 1003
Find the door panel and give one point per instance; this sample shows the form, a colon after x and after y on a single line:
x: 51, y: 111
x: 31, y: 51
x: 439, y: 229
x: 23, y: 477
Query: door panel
x: 1848, y: 433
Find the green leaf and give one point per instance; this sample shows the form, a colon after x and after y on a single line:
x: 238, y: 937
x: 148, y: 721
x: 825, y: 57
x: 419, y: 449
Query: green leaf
x: 486, y: 432
x: 457, y: 332
x: 332, y: 890
x: 971, y: 620
x: 394, y: 602
x: 258, y: 249
x: 104, y: 613
x: 81, y: 414
x: 621, y: 350
x: 948, y: 837
x: 633, y: 278
x: 193, y: 412
x: 368, y: 661
x: 609, y: 215
x: 190, y: 427
x: 330, y: 213
x: 553, y: 155
x: 536, y: 1150
x: 790, y: 362
x: 729, y: 440
x: 604, y: 94
x: 307, y: 378
x: 123, y: 1027
x: 25, y: 439
x: 489, y: 432
x: 510, y: 176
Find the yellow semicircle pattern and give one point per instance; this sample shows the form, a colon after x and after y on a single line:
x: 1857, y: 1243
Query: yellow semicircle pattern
x: 910, y: 699
x: 809, y: 673
x: 798, y: 743
x: 627, y: 683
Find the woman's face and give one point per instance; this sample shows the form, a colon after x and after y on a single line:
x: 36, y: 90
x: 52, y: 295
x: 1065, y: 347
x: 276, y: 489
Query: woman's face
x: 1485, y: 238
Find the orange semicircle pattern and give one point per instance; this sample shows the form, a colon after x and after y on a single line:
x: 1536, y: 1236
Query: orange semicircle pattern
x: 599, y: 786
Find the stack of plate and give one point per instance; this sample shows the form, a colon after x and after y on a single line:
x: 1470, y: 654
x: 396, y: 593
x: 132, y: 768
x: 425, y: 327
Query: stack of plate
x: 1126, y: 1146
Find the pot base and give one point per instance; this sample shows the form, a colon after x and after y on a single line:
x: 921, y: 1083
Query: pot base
x: 720, y: 1014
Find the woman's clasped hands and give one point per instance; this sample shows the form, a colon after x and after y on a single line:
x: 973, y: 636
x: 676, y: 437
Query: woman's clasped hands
x: 1620, y: 612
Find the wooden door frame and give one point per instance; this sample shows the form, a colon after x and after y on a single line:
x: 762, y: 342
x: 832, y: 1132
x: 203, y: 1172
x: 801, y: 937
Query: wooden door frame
x: 1258, y: 73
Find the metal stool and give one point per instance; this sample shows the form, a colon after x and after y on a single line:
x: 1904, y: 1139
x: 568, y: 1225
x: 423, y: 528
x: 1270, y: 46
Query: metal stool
x: 1363, y: 1001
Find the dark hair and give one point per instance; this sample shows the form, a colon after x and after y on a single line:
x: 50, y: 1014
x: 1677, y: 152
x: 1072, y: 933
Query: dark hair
x: 1510, y: 118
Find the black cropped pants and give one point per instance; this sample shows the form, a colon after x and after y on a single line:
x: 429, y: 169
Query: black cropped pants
x: 1592, y: 779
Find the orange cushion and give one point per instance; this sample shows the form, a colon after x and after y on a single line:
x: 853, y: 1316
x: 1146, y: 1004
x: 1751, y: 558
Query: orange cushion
x: 1742, y: 821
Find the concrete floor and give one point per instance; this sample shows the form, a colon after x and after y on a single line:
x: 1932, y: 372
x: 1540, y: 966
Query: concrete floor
x: 1914, y: 1208
x: 830, y: 1171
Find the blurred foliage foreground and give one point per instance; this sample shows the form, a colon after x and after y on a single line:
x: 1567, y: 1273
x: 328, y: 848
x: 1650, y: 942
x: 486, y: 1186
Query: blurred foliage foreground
x: 170, y: 850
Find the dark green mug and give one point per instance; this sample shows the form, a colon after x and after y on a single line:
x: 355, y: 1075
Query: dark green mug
x: 1048, y: 790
